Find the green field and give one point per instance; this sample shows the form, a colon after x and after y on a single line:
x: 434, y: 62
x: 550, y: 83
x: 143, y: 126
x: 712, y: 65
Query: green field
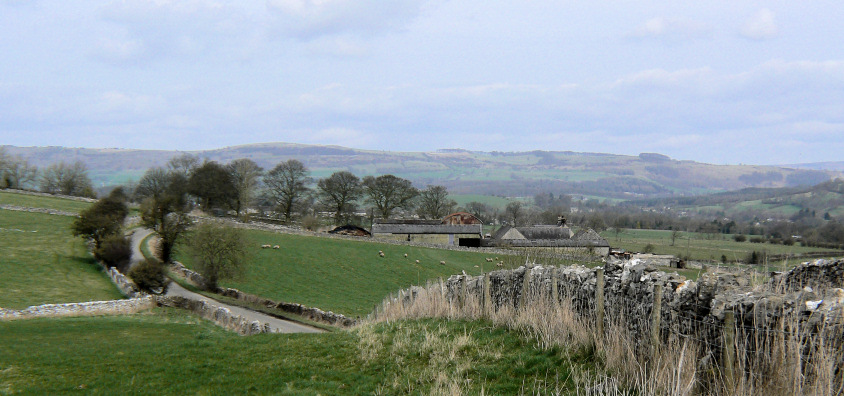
x: 343, y: 276
x: 698, y: 246
x: 42, y: 263
x: 34, y: 201
x: 166, y: 351
x: 495, y: 202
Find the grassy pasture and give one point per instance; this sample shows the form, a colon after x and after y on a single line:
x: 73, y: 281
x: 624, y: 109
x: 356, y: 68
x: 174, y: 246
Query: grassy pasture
x: 166, y: 351
x: 495, y: 202
x: 698, y: 246
x: 34, y: 201
x: 344, y: 276
x: 43, y: 263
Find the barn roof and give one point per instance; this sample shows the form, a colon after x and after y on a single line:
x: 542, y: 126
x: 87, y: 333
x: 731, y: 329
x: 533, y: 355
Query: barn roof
x: 545, y: 232
x: 382, y: 228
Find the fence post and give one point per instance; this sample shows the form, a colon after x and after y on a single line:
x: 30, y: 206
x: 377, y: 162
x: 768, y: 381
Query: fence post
x: 555, y: 293
x: 729, y: 350
x: 487, y: 302
x: 463, y: 291
x: 656, y: 316
x: 442, y: 289
x: 599, y: 301
x: 525, y: 287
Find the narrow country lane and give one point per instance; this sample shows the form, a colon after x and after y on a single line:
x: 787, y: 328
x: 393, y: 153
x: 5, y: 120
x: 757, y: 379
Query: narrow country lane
x: 276, y: 324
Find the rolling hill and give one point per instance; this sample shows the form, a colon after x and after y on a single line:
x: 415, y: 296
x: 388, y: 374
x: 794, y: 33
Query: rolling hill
x: 463, y: 171
x: 784, y: 202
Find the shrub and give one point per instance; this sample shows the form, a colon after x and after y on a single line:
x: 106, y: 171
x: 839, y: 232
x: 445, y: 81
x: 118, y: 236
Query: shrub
x: 649, y: 248
x: 757, y: 240
x: 150, y: 276
x: 739, y: 238
x: 775, y: 241
x: 310, y: 223
x: 115, y: 251
x: 788, y: 241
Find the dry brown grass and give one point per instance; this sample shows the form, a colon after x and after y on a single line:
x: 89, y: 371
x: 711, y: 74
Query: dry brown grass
x: 792, y: 360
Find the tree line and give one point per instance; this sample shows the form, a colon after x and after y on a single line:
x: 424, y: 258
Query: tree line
x: 59, y: 178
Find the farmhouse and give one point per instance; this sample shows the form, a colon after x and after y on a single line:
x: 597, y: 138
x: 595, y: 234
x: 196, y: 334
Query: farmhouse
x: 548, y: 237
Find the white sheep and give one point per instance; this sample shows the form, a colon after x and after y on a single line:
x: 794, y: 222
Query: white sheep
x: 381, y: 254
x: 405, y: 255
x: 417, y: 261
x: 442, y: 262
x: 276, y: 247
x: 265, y: 246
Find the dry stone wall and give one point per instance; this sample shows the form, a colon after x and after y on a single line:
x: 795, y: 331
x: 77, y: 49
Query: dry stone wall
x: 91, y: 308
x: 38, y: 210
x: 310, y: 313
x: 41, y: 194
x: 644, y: 299
x: 220, y: 315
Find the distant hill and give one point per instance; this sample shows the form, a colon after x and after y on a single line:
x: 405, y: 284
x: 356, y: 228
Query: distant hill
x: 463, y: 171
x: 784, y: 202
x: 830, y: 166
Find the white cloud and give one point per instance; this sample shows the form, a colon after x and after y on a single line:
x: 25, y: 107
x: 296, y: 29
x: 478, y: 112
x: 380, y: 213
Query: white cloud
x: 143, y: 30
x: 761, y: 26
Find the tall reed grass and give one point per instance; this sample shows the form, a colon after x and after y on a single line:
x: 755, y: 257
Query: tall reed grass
x: 791, y: 358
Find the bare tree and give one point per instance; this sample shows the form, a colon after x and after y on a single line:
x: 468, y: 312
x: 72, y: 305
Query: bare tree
x: 482, y: 211
x: 15, y: 172
x: 287, y: 185
x: 339, y: 193
x: 219, y: 252
x: 163, y: 207
x: 154, y: 184
x: 245, y: 175
x: 514, y: 213
x: 388, y: 192
x: 434, y: 203
x: 67, y: 179
x: 674, y: 235
x: 183, y: 164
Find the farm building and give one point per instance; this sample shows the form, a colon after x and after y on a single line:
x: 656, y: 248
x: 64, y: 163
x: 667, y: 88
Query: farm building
x: 455, y: 227
x: 548, y: 237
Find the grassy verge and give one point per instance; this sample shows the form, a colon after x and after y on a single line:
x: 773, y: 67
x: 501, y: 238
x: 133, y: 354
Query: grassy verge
x: 167, y: 351
x: 43, y: 263
x: 35, y: 201
x: 343, y: 276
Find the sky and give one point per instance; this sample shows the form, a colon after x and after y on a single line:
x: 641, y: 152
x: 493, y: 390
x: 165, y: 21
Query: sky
x: 725, y: 82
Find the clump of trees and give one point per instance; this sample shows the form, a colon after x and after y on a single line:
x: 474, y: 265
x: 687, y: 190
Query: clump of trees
x: 67, y: 179
x: 164, y: 206
x: 102, y: 223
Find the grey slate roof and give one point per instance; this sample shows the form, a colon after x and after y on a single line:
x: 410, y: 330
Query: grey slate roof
x: 381, y: 228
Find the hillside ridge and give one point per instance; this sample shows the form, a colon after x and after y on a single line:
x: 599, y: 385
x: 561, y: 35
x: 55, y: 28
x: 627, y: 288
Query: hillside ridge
x: 463, y: 171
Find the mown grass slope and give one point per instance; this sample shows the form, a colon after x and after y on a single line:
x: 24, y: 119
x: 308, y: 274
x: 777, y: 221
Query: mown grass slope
x: 41, y: 263
x: 165, y: 351
x: 344, y: 276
